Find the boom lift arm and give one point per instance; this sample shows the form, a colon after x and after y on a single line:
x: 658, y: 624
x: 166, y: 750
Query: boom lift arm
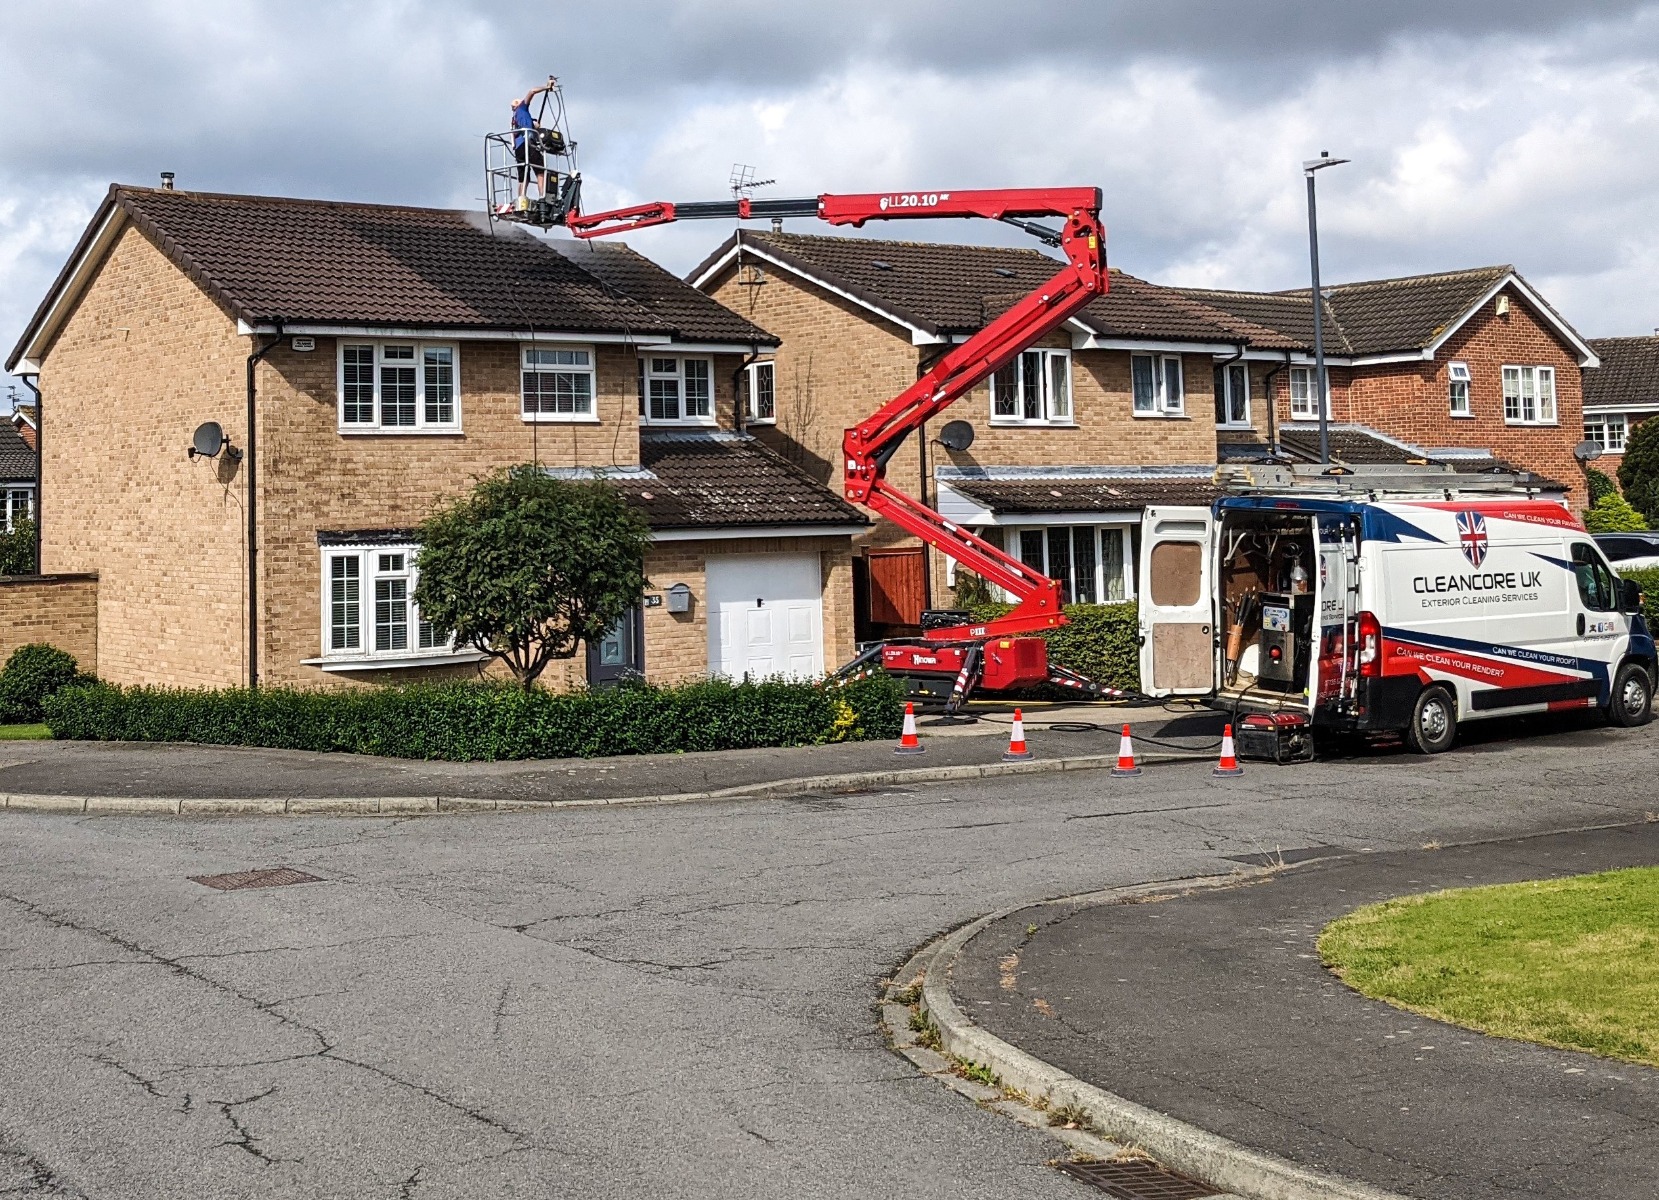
x: 869, y: 446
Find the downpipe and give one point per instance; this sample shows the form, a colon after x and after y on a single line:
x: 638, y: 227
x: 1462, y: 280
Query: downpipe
x: 252, y: 506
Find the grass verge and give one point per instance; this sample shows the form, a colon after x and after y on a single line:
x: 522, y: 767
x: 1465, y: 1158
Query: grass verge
x: 1572, y: 963
x: 24, y: 733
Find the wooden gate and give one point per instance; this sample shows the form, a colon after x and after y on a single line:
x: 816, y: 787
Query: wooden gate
x: 897, y: 590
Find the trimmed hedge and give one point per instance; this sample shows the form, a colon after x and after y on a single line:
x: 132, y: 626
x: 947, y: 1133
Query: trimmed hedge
x: 1647, y: 578
x: 1101, y: 641
x: 483, y: 722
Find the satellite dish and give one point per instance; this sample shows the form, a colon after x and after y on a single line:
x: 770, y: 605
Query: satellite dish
x: 1587, y: 451
x: 208, y: 440
x: 956, y: 435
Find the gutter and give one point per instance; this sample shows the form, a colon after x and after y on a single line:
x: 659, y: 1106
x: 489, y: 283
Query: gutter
x: 40, y: 460
x: 253, y: 508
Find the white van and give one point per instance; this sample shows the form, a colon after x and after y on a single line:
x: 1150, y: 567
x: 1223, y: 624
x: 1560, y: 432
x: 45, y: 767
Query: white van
x: 1385, y: 599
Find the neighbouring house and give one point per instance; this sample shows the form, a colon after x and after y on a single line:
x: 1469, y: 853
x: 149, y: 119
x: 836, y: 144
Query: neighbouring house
x: 24, y: 420
x: 388, y: 356
x: 18, y: 472
x: 1621, y: 393
x: 1470, y: 367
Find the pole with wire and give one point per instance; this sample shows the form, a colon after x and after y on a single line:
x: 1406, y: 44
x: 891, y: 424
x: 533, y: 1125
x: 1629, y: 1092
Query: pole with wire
x: 1320, y: 383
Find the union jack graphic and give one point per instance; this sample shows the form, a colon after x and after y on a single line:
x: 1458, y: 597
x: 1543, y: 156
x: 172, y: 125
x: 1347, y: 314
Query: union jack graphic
x: 1471, y: 532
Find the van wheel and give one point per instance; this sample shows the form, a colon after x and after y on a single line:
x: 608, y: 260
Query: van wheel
x: 1433, y: 721
x: 1632, y: 700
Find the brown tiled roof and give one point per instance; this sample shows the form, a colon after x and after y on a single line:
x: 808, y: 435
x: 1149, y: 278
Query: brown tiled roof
x: 1629, y: 372
x: 17, y: 461
x: 694, y: 316
x: 695, y: 479
x: 1083, y: 495
x: 262, y: 258
x: 1378, y: 316
x: 1359, y: 445
x: 946, y: 288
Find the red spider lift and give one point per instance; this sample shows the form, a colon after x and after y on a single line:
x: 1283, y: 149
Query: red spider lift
x: 950, y: 661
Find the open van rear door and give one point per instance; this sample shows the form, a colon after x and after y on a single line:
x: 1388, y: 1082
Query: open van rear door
x: 1177, y: 602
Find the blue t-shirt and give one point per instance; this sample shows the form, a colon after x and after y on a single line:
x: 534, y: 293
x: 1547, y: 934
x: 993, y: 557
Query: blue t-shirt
x: 521, y: 120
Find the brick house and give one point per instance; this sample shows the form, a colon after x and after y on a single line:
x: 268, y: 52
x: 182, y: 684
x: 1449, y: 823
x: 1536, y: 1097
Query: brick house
x: 1620, y: 394
x: 18, y: 472
x: 23, y: 420
x: 388, y: 356
x: 1110, y: 413
x: 1470, y: 367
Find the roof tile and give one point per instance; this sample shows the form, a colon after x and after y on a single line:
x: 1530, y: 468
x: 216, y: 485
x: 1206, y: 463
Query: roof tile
x: 1628, y: 375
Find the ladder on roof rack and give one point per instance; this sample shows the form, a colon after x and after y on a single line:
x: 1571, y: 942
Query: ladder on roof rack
x: 1244, y: 479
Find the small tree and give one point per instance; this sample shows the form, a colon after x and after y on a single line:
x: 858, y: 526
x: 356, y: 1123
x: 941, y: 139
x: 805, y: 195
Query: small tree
x: 1639, y: 470
x: 17, y: 549
x: 1613, y: 514
x: 1599, y: 485
x: 528, y: 567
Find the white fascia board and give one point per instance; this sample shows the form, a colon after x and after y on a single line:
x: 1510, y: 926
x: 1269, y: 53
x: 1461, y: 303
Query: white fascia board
x: 743, y: 348
x: 1377, y: 360
x: 1619, y: 410
x: 1586, y: 356
x: 79, y: 276
x: 918, y: 335
x: 1127, y: 516
x: 1149, y: 346
x: 719, y: 534
x: 718, y: 265
x: 456, y: 335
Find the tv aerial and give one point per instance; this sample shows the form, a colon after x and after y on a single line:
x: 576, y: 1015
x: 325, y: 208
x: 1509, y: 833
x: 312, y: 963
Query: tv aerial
x: 743, y: 181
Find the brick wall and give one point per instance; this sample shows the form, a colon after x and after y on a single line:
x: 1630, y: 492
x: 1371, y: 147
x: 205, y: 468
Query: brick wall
x: 145, y: 358
x: 60, y: 610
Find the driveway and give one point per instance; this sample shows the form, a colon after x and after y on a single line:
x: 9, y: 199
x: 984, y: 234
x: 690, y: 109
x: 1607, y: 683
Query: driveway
x: 663, y: 1001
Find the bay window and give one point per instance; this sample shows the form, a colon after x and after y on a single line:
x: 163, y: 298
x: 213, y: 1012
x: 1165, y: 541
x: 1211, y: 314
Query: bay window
x: 676, y: 391
x: 1529, y: 395
x: 369, y: 609
x: 1033, y: 389
x: 398, y: 387
x: 1157, y: 385
x: 1091, y: 562
x: 557, y: 384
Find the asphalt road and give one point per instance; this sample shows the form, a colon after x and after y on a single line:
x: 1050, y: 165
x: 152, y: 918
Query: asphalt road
x: 671, y: 1001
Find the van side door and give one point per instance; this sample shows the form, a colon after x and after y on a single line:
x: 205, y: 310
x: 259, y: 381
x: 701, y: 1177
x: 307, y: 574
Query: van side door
x: 1177, y: 602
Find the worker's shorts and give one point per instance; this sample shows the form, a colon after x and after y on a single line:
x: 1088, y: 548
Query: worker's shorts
x: 529, y: 159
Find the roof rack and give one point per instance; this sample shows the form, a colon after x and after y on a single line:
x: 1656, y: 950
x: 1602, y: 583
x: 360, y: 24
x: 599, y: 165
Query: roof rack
x: 1244, y: 479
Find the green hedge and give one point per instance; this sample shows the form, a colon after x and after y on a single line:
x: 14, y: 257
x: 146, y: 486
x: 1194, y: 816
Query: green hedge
x: 474, y: 721
x: 31, y: 674
x: 1647, y: 578
x: 1101, y: 641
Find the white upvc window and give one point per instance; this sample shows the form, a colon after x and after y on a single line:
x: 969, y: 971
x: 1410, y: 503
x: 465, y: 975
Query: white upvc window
x: 17, y: 504
x: 1034, y: 389
x: 1529, y: 395
x: 557, y: 383
x: 1301, y: 393
x: 763, y: 392
x: 1157, y: 384
x: 399, y: 387
x: 676, y: 390
x: 1608, y: 432
x: 369, y: 609
x: 1457, y: 387
x: 1092, y: 562
x: 1232, y: 396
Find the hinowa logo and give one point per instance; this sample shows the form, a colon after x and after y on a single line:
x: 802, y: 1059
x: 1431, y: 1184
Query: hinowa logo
x: 1471, y: 533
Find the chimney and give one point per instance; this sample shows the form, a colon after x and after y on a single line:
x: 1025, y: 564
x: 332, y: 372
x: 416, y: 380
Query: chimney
x: 166, y: 181
x: 777, y: 227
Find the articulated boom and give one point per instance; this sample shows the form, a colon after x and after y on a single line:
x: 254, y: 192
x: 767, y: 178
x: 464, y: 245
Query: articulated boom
x: 867, y: 447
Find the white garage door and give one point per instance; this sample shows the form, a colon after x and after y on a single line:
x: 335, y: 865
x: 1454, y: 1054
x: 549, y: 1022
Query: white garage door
x: 766, y: 615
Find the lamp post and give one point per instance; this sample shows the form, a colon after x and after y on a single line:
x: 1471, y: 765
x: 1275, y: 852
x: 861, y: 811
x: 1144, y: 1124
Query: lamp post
x: 1319, y: 382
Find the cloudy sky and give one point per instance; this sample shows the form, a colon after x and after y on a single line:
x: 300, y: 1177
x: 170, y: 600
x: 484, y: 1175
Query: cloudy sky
x: 1481, y: 132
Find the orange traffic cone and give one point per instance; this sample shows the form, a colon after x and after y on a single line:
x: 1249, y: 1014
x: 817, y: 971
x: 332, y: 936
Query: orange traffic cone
x: 1229, y: 760
x: 1126, y: 756
x: 1016, y: 740
x: 908, y: 743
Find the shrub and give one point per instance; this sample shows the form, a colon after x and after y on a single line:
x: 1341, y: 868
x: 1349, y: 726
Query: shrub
x: 1600, y: 484
x: 17, y: 549
x: 1613, y: 514
x: 31, y: 674
x: 487, y: 721
x: 1647, y: 578
x: 1639, y: 470
x: 1101, y: 641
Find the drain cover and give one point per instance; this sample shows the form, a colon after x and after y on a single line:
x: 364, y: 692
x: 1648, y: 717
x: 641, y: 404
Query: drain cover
x: 1137, y: 1179
x: 1274, y: 858
x: 236, y: 881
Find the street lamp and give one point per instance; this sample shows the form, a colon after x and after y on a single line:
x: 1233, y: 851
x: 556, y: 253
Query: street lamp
x: 1319, y: 382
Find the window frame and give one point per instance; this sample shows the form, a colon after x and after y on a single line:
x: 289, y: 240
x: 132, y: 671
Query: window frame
x: 1049, y: 414
x: 1597, y: 427
x: 372, y: 569
x: 1161, y: 407
x: 1586, y: 556
x: 1309, y: 384
x: 419, y: 347
x: 648, y: 373
x: 1534, y: 375
x: 1224, y: 395
x: 12, y: 498
x: 1011, y: 536
x: 590, y: 372
x: 751, y: 380
x: 1459, y: 381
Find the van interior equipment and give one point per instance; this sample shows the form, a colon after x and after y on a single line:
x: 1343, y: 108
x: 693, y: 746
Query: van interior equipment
x: 954, y: 655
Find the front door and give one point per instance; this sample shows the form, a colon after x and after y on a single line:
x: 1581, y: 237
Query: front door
x: 620, y: 654
x: 1177, y: 607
